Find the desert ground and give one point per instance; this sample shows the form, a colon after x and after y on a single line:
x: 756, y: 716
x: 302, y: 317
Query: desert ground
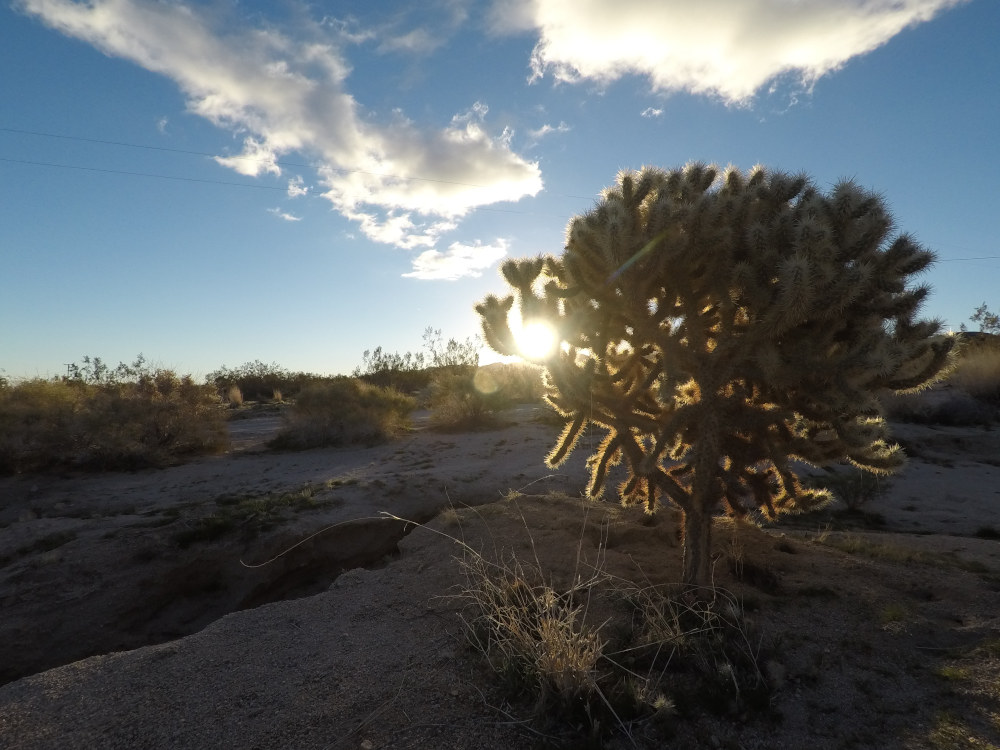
x: 263, y: 599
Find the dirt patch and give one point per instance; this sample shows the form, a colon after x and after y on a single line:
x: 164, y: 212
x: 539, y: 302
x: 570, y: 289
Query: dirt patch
x: 98, y: 563
x: 876, y: 630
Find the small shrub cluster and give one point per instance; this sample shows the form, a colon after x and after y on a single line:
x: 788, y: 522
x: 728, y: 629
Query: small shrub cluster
x: 412, y: 372
x: 342, y: 411
x: 252, y: 514
x: 257, y: 381
x: 108, y: 419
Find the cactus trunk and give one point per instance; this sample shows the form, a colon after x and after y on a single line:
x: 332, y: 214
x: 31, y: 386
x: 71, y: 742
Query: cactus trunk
x: 697, y: 571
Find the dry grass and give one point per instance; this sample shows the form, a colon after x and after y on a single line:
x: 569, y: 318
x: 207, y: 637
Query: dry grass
x: 604, y: 657
x: 234, y: 396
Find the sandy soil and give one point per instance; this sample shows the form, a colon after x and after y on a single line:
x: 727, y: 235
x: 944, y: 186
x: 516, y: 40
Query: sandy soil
x: 877, y: 629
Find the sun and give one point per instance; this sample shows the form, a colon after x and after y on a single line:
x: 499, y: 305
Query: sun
x: 535, y: 340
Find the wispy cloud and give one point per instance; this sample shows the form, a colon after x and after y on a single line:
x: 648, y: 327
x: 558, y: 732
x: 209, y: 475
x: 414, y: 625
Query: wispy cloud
x: 283, y: 215
x: 651, y: 112
x: 284, y: 91
x: 534, y: 136
x: 725, y: 48
x: 458, y: 261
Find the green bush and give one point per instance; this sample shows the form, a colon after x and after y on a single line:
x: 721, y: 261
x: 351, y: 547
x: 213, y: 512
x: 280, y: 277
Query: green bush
x: 342, y: 411
x: 106, y: 423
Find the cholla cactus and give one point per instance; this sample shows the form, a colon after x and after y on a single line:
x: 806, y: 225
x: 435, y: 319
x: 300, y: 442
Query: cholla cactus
x: 720, y: 328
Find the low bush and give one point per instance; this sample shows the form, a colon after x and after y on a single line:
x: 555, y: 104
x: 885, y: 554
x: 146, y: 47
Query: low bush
x: 412, y: 372
x: 257, y: 381
x: 941, y: 406
x: 106, y: 423
x: 461, y: 401
x: 519, y: 383
x: 969, y: 396
x: 341, y: 411
x: 978, y: 372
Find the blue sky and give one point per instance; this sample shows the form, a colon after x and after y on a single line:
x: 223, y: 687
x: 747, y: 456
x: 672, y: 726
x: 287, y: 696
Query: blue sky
x: 212, y: 183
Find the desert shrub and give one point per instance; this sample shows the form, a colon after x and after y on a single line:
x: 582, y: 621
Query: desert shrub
x: 459, y: 401
x: 978, y: 372
x: 988, y: 321
x: 342, y: 411
x: 412, y: 372
x: 519, y: 382
x: 941, y: 406
x: 258, y: 381
x: 853, y: 487
x: 107, y: 423
x: 404, y: 373
x: 970, y: 395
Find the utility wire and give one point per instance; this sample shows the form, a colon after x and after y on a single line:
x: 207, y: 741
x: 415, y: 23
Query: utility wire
x: 212, y: 182
x: 343, y: 170
x: 141, y: 174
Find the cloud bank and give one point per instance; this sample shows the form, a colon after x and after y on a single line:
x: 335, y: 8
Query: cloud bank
x: 725, y: 48
x: 401, y: 183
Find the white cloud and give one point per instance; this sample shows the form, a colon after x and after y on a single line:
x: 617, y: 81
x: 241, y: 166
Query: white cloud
x: 459, y: 261
x: 297, y: 187
x: 651, y: 112
x: 725, y: 48
x: 536, y: 135
x: 161, y: 125
x: 405, y: 185
x: 283, y: 215
x: 255, y: 160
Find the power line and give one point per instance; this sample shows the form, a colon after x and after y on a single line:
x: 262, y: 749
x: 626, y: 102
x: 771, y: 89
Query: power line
x: 141, y: 174
x: 210, y: 182
x: 978, y: 257
x: 343, y: 170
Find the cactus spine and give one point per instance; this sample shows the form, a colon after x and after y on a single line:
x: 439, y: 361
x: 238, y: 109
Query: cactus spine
x: 719, y: 327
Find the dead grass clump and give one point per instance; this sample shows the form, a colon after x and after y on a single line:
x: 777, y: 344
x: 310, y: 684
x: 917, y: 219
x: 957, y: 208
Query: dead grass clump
x: 154, y: 420
x: 533, y: 637
x: 234, y: 396
x: 343, y: 411
x: 604, y: 657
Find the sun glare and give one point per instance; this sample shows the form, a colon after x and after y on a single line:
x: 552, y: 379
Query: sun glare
x: 536, y: 340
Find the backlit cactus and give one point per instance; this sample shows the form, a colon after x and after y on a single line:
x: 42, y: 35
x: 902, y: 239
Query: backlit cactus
x: 720, y: 327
